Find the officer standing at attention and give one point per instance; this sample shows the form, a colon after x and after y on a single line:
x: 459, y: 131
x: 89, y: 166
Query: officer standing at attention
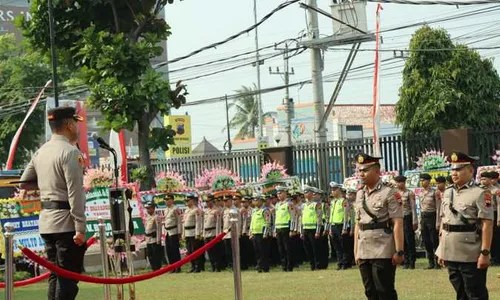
x: 337, y: 225
x: 173, y: 229
x: 192, y: 230
x: 410, y: 221
x: 57, y: 171
x: 487, y: 183
x: 311, y: 227
x: 260, y: 232
x: 153, y: 249
x: 348, y: 230
x: 466, y: 230
x: 247, y: 254
x: 282, y: 225
x: 429, y: 224
x: 378, y: 237
x: 211, y: 228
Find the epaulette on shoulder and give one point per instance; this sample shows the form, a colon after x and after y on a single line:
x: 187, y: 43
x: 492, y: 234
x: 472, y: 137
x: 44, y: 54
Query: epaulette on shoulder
x: 449, y: 187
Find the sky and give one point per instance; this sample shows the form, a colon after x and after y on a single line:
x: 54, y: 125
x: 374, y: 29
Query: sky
x: 195, y: 24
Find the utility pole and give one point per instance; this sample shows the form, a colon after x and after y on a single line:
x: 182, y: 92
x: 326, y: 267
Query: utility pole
x: 260, y: 132
x: 288, y: 102
x: 319, y: 103
x: 316, y: 70
x: 228, y: 142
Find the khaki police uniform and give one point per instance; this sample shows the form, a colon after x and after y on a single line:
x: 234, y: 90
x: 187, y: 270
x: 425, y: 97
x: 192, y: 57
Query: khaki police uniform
x: 348, y: 233
x: 154, y: 250
x: 429, y: 225
x: 173, y: 230
x: 246, y: 247
x: 410, y: 221
x: 226, y: 221
x: 58, y: 169
x: 460, y: 243
x: 212, y: 220
x: 192, y: 233
x: 376, y: 211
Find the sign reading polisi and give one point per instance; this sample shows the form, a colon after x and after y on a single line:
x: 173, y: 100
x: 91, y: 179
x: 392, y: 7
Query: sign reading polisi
x: 182, y: 126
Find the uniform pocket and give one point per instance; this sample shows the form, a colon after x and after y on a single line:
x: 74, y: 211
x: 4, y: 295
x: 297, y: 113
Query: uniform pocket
x: 469, y: 238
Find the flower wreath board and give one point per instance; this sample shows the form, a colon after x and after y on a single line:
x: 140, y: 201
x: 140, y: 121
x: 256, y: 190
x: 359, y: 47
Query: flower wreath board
x: 24, y: 213
x: 268, y: 187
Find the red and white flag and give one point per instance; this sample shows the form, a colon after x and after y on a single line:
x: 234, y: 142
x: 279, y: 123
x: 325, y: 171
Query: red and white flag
x: 376, y: 88
x: 17, y: 136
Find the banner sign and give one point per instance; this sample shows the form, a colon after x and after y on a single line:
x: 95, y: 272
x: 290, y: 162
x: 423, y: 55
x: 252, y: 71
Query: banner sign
x: 269, y: 187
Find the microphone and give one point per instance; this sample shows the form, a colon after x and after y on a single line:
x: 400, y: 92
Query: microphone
x: 102, y: 143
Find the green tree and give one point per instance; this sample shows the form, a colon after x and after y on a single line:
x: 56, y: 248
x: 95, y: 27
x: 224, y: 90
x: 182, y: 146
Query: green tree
x: 446, y: 86
x: 246, y: 118
x: 23, y: 73
x: 110, y: 45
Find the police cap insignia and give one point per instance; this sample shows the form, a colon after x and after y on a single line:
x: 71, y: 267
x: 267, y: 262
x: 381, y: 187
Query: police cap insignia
x: 454, y: 157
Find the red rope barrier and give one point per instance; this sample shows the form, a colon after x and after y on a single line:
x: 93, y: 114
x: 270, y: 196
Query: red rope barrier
x: 85, y: 278
x: 42, y: 277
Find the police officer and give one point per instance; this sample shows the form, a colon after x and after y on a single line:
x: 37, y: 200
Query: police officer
x: 466, y: 230
x: 410, y: 221
x: 173, y: 229
x: 153, y: 249
x: 282, y: 225
x: 260, y: 233
x: 298, y: 251
x: 192, y: 230
x: 211, y: 228
x: 226, y: 221
x: 487, y: 183
x: 247, y: 253
x: 56, y: 169
x: 496, y: 190
x: 337, y: 224
x: 378, y: 237
x: 429, y: 224
x: 311, y: 227
x: 348, y: 230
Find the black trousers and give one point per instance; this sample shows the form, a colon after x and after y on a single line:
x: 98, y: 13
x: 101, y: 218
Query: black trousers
x: 285, y: 249
x: 409, y: 237
x: 430, y: 236
x: 323, y: 252
x: 313, y: 248
x: 215, y: 256
x: 378, y: 277
x: 155, y: 253
x: 275, y: 254
x: 298, y: 251
x: 63, y: 252
x: 495, y: 243
x: 172, y: 248
x: 247, y: 255
x: 193, y: 244
x: 228, y: 252
x: 348, y: 242
x: 338, y: 244
x: 262, y: 248
x: 468, y: 281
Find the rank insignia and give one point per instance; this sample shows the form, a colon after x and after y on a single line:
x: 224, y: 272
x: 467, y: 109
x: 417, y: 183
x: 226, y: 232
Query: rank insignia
x: 398, y: 198
x: 81, y: 161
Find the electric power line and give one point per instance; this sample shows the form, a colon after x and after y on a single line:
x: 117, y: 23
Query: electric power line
x: 436, y: 2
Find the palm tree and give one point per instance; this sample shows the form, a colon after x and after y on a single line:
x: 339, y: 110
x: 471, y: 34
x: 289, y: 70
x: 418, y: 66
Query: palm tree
x: 246, y: 118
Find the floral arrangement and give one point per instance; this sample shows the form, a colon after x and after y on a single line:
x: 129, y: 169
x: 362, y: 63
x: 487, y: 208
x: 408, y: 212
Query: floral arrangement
x: 169, y: 182
x: 431, y: 160
x: 273, y: 171
x: 19, y: 207
x: 97, y: 178
x: 496, y: 157
x: 217, y: 179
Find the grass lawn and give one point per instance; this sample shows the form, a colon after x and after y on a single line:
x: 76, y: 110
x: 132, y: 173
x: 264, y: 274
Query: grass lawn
x: 302, y: 284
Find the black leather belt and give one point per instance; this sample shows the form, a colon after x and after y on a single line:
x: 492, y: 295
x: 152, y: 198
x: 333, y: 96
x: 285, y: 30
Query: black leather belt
x: 152, y: 234
x: 460, y: 228
x: 373, y: 226
x: 55, y: 205
x: 189, y: 227
x: 171, y: 227
x: 428, y: 214
x: 210, y: 228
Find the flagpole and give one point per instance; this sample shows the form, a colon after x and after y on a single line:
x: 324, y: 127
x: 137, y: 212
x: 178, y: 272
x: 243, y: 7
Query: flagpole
x: 376, y: 91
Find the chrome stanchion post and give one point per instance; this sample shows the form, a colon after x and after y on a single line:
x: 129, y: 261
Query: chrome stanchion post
x: 104, y: 256
x: 9, y: 261
x: 235, y: 245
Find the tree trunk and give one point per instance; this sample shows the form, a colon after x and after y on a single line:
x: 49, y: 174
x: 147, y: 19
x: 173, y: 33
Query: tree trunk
x: 144, y: 157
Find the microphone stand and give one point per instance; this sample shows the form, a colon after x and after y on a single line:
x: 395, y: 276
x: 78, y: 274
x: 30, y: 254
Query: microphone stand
x: 116, y: 169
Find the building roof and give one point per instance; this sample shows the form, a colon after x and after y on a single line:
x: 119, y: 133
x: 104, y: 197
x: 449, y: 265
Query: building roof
x: 205, y: 148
